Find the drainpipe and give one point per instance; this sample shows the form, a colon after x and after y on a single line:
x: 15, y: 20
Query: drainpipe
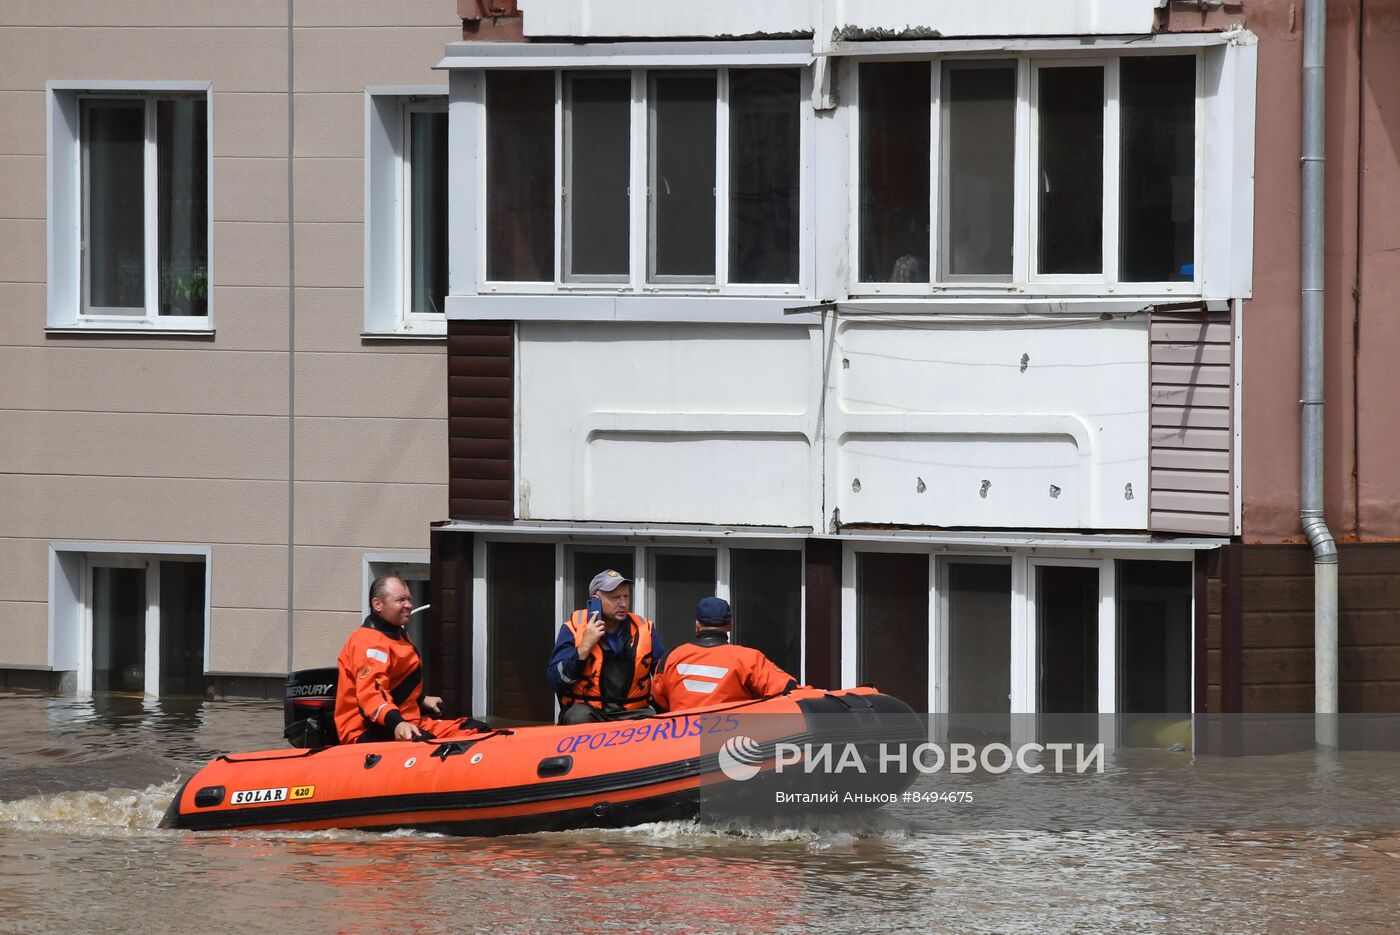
x: 1323, y: 546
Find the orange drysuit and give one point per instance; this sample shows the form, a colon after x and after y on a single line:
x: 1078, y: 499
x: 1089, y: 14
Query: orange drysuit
x: 381, y: 680
x: 710, y: 670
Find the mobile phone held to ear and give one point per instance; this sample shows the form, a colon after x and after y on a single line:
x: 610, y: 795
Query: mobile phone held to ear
x: 595, y: 608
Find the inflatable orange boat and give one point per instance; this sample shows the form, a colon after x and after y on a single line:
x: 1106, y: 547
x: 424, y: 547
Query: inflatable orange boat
x: 727, y: 758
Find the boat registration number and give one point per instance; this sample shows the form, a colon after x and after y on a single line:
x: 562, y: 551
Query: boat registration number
x: 258, y: 796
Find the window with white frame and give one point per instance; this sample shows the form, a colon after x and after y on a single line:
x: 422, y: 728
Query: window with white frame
x: 129, y: 226
x: 406, y: 236
x: 1053, y: 174
x: 685, y: 179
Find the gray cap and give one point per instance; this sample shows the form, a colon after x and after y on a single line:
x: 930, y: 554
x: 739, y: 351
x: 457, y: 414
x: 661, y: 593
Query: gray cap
x: 606, y: 581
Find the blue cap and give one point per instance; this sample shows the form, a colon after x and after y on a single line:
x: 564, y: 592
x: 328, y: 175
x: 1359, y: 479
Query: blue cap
x: 713, y: 611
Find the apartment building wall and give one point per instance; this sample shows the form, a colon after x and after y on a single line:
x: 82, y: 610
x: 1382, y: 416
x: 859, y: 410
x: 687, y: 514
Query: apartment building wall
x: 144, y: 440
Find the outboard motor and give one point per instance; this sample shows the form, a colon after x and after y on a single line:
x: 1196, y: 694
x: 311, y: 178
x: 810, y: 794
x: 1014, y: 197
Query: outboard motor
x: 308, y: 708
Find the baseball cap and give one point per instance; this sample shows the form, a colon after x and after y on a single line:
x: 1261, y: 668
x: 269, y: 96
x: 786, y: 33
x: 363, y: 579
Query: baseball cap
x: 713, y: 610
x: 607, y: 580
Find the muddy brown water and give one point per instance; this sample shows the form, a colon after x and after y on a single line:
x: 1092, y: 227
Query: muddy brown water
x: 84, y: 782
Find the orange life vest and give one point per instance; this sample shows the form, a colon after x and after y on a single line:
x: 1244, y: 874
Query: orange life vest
x: 588, y: 688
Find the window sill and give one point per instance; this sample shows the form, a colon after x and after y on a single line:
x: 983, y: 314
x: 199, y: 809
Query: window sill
x: 638, y: 307
x: 127, y: 331
x: 405, y: 336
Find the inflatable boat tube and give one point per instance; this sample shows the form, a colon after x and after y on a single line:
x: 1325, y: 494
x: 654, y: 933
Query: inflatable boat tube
x: 677, y: 765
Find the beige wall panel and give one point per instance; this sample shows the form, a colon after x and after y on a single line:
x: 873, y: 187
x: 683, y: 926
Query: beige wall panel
x: 252, y: 124
x: 124, y: 444
x: 126, y: 509
x: 23, y: 257
x: 336, y: 514
x: 248, y: 188
x: 251, y: 318
x: 330, y: 189
x: 22, y: 181
x: 396, y: 451
x: 330, y: 579
x: 377, y: 13
x: 329, y: 59
x: 26, y: 640
x: 246, y: 318
x: 26, y: 566
x: 381, y: 383
x: 247, y: 253
x: 247, y: 641
x: 23, y: 317
x: 331, y: 319
x: 22, y: 127
x: 330, y: 254
x: 129, y: 380
x: 235, y: 59
x: 319, y: 636
x: 145, y: 13
x: 332, y: 124
x: 248, y: 576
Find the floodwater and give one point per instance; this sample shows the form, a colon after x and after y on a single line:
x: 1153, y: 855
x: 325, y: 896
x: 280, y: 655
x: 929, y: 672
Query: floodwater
x: 84, y: 783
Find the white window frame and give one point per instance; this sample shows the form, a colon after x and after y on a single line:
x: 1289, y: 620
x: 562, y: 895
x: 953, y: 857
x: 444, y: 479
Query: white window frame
x: 637, y: 280
x: 70, y: 601
x: 68, y: 285
x: 1025, y: 279
x: 388, y: 288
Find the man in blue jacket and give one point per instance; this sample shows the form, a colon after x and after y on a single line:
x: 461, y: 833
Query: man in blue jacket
x: 604, y: 661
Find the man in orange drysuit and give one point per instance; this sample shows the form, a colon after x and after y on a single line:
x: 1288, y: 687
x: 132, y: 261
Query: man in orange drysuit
x: 379, y: 695
x: 710, y: 670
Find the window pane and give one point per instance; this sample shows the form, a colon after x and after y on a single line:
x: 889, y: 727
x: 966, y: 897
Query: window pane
x: 1154, y: 637
x: 764, y: 174
x: 183, y: 221
x: 894, y: 172
x: 1157, y: 102
x: 979, y: 646
x: 427, y: 149
x: 585, y: 563
x: 1067, y: 639
x: 118, y: 629
x: 678, y: 582
x: 520, y: 176
x: 1070, y: 111
x: 683, y: 175
x: 892, y: 624
x: 182, y: 629
x: 520, y: 629
x: 980, y: 128
x: 597, y: 175
x: 766, y: 594
x: 115, y: 205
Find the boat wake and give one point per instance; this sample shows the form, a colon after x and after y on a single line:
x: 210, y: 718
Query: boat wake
x: 130, y: 809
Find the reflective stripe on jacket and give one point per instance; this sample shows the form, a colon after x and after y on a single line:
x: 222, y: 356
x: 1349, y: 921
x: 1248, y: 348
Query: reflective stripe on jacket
x: 712, y: 671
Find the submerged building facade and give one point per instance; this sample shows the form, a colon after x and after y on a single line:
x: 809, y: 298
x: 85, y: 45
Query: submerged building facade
x: 917, y: 337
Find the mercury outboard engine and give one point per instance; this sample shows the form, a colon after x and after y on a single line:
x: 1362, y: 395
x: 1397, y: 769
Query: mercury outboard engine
x: 308, y: 708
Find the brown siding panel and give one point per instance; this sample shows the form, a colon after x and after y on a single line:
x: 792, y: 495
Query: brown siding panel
x: 1275, y: 601
x: 1191, y: 418
x: 481, y: 419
